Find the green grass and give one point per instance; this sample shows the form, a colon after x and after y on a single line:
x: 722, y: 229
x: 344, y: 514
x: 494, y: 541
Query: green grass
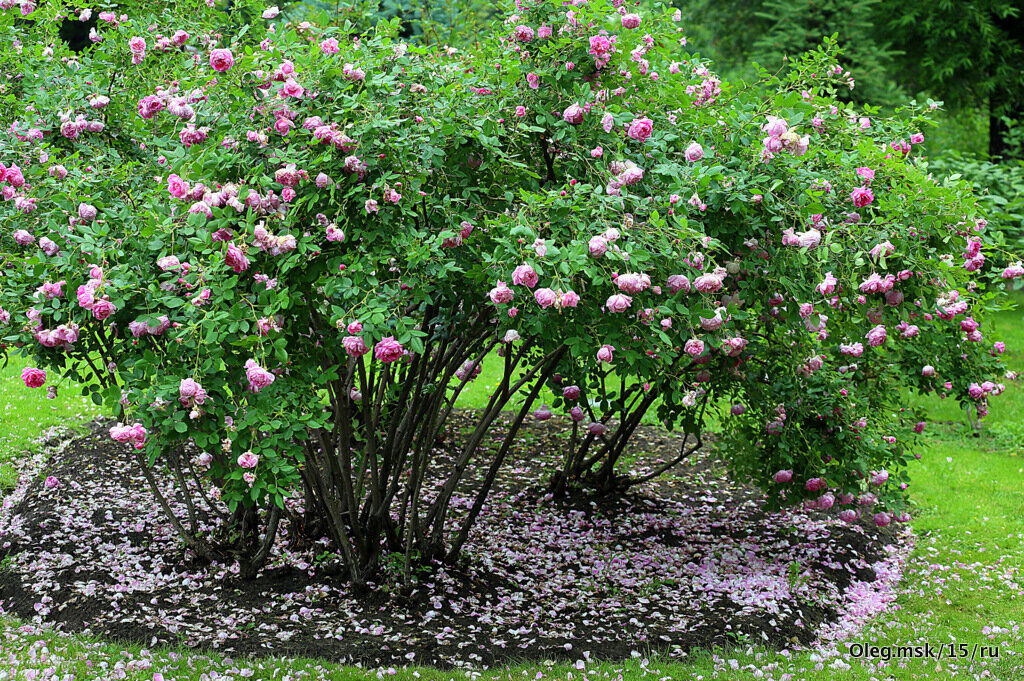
x: 26, y: 413
x: 966, y: 573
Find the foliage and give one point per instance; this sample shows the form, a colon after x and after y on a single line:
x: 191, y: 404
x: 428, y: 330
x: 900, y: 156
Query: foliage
x: 970, y: 55
x: 1000, y: 191
x: 293, y: 248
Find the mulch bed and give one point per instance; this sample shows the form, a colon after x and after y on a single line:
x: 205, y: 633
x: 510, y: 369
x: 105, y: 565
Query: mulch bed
x: 689, y: 560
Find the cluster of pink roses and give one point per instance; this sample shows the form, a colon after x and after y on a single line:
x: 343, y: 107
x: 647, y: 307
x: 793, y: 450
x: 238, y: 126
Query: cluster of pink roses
x: 99, y: 305
x: 134, y: 435
x: 780, y: 137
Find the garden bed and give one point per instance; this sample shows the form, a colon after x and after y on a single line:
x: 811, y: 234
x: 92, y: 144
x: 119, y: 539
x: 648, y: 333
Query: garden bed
x: 689, y: 560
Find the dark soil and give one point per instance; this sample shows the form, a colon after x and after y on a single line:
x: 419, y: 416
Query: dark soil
x: 689, y: 560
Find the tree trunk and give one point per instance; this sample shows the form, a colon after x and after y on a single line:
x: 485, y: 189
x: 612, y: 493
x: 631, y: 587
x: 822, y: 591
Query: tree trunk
x: 998, y: 110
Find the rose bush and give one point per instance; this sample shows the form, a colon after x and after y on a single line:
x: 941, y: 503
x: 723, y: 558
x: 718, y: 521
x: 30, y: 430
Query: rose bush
x: 294, y: 248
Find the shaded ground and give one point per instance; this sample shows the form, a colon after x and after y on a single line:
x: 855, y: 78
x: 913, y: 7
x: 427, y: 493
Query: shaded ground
x: 690, y: 560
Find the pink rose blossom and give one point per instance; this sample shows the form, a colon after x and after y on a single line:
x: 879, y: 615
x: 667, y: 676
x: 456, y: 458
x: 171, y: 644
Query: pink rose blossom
x: 221, y: 60
x: 258, y: 377
x: 248, y: 460
x: 388, y: 350
x: 640, y: 129
x: 524, y: 275
x: 33, y: 378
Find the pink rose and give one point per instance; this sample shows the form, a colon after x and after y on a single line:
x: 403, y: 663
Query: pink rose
x: 573, y: 114
x: 524, y: 276
x: 355, y: 346
x: 87, y: 212
x: 630, y: 21
x: 103, y: 308
x: 33, y: 378
x: 640, y: 129
x: 545, y: 297
x: 876, y: 336
x: 605, y: 353
x: 177, y: 187
x: 501, y: 294
x: 677, y: 283
x: 708, y: 283
x: 523, y: 34
x: 862, y: 196
x: 568, y: 299
x: 248, y: 460
x: 388, y: 350
x: 222, y: 60
x: 694, y: 152
x: 783, y: 476
x: 258, y: 377
x: 235, y: 259
x: 618, y: 303
x: 694, y: 347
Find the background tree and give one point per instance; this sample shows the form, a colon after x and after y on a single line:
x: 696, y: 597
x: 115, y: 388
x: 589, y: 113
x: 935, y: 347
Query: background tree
x: 970, y: 54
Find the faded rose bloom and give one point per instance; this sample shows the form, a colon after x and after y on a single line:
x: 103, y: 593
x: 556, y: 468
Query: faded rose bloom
x: 605, y: 353
x: 694, y: 152
x: 694, y: 347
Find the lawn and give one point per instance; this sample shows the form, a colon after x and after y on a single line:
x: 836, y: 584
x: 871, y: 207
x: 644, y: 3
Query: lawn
x: 963, y: 585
